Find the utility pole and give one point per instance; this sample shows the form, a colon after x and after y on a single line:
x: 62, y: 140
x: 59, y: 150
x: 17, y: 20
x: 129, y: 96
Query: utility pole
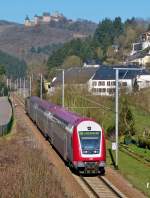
x: 30, y: 87
x: 10, y: 84
x: 7, y: 83
x: 24, y: 87
x: 63, y: 87
x: 41, y: 87
x: 117, y: 106
x: 117, y: 115
x: 20, y: 86
x: 17, y: 86
x: 63, y: 80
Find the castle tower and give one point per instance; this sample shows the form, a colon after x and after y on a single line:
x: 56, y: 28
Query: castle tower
x: 36, y: 19
x: 46, y: 17
x: 27, y: 21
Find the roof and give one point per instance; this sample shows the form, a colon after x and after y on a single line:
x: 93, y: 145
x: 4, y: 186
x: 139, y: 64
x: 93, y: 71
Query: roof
x: 76, y: 75
x: 93, y: 62
x: 108, y: 73
x: 46, y: 14
x: 140, y: 54
x: 27, y: 18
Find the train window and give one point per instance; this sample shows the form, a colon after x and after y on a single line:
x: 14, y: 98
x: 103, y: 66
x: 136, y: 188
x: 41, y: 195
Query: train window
x: 90, y: 142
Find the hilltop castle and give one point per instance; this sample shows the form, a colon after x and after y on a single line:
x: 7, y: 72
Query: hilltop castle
x: 45, y: 18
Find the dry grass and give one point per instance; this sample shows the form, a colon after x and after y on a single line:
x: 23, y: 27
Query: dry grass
x: 24, y: 171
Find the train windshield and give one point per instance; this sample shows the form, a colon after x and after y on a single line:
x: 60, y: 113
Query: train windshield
x: 90, y: 142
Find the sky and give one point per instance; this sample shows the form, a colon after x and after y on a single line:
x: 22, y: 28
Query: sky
x: 94, y: 10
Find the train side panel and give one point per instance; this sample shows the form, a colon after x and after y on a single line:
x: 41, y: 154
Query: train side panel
x: 60, y: 139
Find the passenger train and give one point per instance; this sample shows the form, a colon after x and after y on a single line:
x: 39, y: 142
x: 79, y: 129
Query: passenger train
x: 80, y: 141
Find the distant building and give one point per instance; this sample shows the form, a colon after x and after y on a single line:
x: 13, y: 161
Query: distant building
x: 140, y: 58
x: 143, y: 79
x: 45, y: 18
x: 143, y: 43
x: 79, y: 35
x: 140, y: 54
x: 91, y: 63
x: 28, y: 22
x: 47, y: 85
x: 77, y: 76
x: 103, y: 81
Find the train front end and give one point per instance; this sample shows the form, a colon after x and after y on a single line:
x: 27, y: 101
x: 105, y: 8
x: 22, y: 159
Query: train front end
x: 89, y: 152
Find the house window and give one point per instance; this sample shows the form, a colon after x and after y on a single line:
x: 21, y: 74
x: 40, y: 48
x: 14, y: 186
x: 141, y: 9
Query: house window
x: 108, y: 83
x: 101, y: 83
x: 94, y: 90
x: 111, y: 91
x: 124, y: 84
x: 103, y: 90
x: 100, y: 90
x: 94, y: 83
x: 113, y: 83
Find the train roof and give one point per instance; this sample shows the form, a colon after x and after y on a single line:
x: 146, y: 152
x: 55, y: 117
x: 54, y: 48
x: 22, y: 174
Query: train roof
x: 59, y: 112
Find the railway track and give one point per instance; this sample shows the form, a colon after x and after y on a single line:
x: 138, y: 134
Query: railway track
x: 134, y: 155
x: 99, y: 186
x: 93, y: 186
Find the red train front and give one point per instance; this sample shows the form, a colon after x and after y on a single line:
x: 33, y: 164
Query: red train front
x: 88, y: 144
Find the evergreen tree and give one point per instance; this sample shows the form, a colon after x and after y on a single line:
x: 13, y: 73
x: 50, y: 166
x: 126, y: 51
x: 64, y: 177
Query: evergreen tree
x: 126, y: 119
x: 118, y: 27
x: 2, y: 70
x: 148, y: 29
x: 104, y: 34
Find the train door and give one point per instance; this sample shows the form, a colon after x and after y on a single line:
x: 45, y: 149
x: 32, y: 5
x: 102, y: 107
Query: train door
x: 69, y: 147
x: 35, y: 112
x: 50, y: 127
x: 65, y: 146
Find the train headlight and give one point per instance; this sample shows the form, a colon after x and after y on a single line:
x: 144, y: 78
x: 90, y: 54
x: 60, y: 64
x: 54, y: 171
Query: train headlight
x: 85, y: 152
x: 81, y: 164
x: 102, y: 164
x: 78, y: 164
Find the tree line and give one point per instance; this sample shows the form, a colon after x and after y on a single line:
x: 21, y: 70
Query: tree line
x: 13, y: 67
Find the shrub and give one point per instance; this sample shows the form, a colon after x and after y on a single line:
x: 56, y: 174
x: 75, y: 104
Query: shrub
x: 143, y: 142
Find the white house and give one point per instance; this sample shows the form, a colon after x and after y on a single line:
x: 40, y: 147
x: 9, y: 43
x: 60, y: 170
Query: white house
x: 103, y: 81
x: 143, y: 79
x: 143, y: 43
x: 140, y: 58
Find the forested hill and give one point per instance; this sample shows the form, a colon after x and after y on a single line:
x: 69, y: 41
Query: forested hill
x: 111, y: 43
x: 14, y: 67
x: 36, y: 43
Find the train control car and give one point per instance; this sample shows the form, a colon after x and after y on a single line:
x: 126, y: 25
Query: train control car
x: 79, y: 140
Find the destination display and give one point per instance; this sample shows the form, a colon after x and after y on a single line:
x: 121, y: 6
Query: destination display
x: 89, y: 133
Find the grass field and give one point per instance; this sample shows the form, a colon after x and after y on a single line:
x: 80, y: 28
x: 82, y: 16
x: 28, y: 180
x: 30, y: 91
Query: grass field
x: 134, y: 171
x: 142, y: 119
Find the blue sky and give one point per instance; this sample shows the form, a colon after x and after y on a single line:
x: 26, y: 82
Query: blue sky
x: 95, y: 10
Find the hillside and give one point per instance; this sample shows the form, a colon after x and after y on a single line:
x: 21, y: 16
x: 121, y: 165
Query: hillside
x: 18, y: 40
x: 13, y: 66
